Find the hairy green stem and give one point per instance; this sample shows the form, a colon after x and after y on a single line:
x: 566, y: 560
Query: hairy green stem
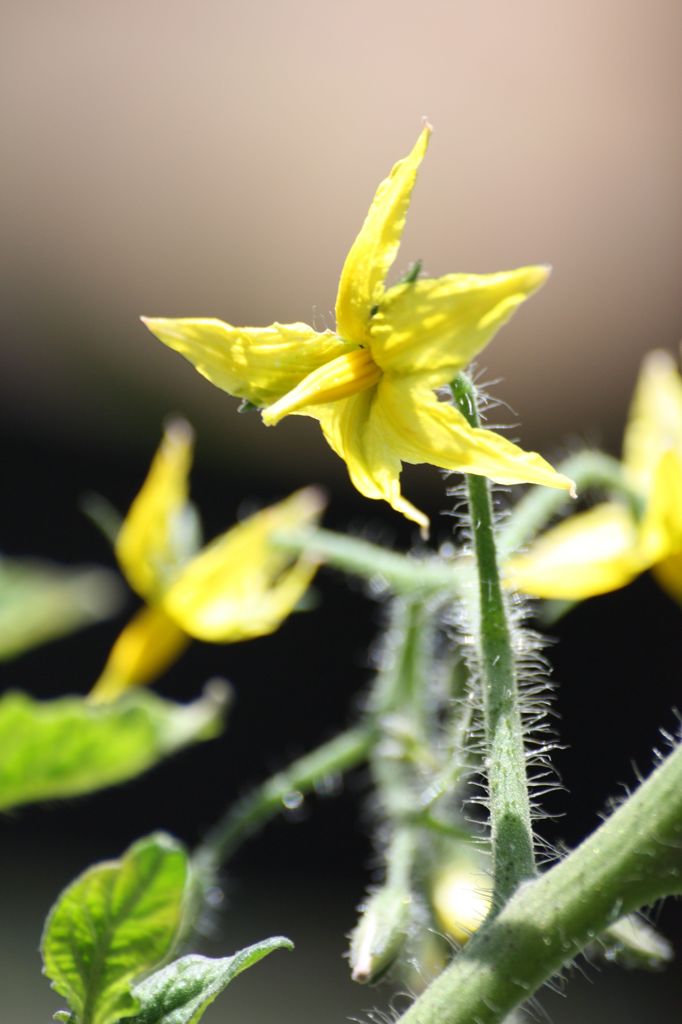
x: 339, y: 755
x: 510, y: 822
x: 630, y: 861
x: 398, y: 709
x: 540, y: 504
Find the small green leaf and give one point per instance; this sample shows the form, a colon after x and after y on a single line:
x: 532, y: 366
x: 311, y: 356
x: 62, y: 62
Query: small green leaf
x: 181, y: 992
x: 40, y: 602
x: 68, y: 746
x: 117, y: 921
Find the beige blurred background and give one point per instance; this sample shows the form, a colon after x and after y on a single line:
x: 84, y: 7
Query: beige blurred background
x: 217, y: 158
x: 163, y: 157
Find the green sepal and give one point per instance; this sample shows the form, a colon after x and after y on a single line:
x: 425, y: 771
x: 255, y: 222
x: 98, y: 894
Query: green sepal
x: 632, y: 942
x: 117, y: 921
x: 182, y: 991
x: 412, y: 273
x: 68, y: 746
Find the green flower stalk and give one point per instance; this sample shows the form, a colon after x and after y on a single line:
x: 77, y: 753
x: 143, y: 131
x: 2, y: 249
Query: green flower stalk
x: 510, y: 813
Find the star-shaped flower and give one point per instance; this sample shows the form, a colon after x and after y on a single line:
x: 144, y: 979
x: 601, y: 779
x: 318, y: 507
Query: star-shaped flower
x: 237, y: 587
x: 371, y: 383
x: 605, y: 547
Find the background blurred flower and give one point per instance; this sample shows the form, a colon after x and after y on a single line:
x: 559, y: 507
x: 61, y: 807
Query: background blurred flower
x: 238, y: 587
x: 605, y: 547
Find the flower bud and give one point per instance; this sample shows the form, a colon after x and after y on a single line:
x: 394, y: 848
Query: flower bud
x: 380, y: 933
x: 461, y: 896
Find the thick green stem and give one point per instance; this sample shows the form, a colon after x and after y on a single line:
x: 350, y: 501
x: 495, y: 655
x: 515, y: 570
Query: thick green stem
x: 250, y: 813
x: 632, y: 860
x: 510, y: 822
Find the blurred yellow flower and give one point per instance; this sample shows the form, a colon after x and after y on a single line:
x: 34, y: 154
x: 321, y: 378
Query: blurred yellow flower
x: 238, y: 587
x: 605, y: 547
x: 371, y: 383
x: 461, y: 896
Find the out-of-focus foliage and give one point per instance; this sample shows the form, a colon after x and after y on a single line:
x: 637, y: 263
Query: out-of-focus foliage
x: 239, y: 586
x: 40, y: 601
x: 69, y: 746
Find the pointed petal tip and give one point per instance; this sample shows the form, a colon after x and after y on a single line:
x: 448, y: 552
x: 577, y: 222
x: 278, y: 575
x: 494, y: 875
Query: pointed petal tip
x: 153, y: 323
x: 313, y: 500
x: 566, y: 484
x: 178, y: 430
x: 537, y: 275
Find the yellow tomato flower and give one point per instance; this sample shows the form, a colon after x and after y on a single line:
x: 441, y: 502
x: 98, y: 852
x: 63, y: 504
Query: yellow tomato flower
x: 371, y: 383
x: 238, y: 587
x: 605, y: 547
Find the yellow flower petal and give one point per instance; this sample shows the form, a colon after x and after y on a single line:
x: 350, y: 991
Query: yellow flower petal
x: 240, y: 585
x: 375, y: 248
x: 436, y: 327
x: 419, y: 428
x: 655, y: 421
x: 155, y: 537
x: 661, y: 528
x: 148, y: 645
x: 353, y: 428
x: 461, y: 896
x: 589, y: 553
x: 259, y: 364
x: 668, y: 575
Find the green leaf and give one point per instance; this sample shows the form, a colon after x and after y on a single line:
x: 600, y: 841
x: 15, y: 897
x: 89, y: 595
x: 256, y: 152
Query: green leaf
x: 181, y: 992
x: 40, y: 601
x: 68, y: 746
x: 117, y: 921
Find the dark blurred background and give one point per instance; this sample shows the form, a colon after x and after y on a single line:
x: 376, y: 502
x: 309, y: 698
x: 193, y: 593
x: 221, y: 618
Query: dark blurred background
x: 169, y: 158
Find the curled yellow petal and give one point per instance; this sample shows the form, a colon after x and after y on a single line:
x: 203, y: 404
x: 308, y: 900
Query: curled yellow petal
x: 435, y: 327
x: 419, y: 429
x: 655, y: 420
x: 342, y: 377
x: 157, y: 534
x: 591, y: 553
x: 375, y: 248
x: 259, y: 364
x: 148, y: 645
x: 241, y: 585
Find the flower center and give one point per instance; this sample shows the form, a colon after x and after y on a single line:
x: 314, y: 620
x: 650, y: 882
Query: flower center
x: 340, y: 378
